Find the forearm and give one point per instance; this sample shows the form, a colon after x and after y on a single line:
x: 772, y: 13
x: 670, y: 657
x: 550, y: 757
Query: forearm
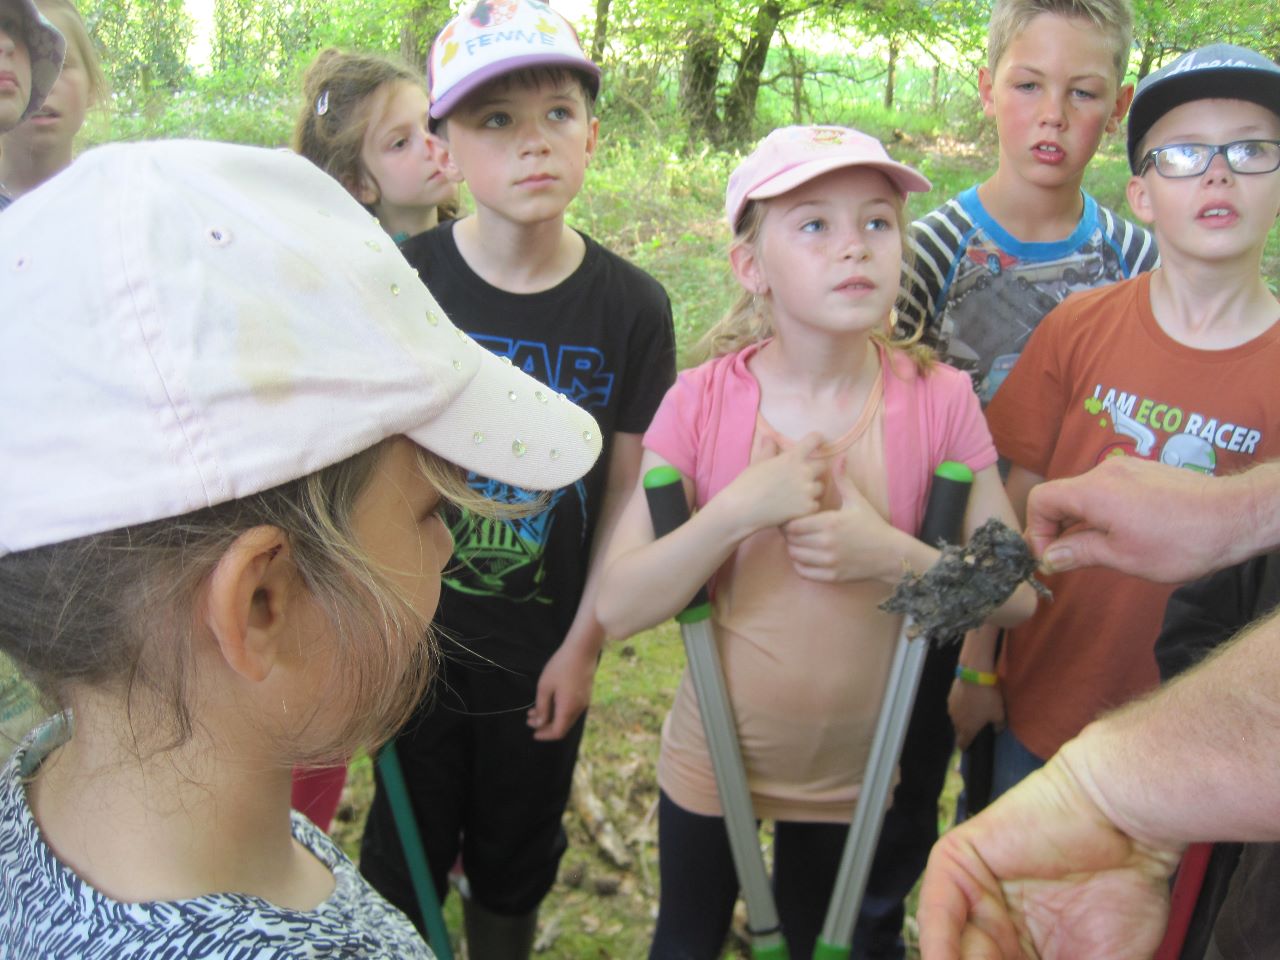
x: 1251, y: 509
x: 653, y: 582
x: 1196, y: 759
x: 978, y: 651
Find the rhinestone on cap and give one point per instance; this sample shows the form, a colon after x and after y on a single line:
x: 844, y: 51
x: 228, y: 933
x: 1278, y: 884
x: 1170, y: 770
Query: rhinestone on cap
x: 512, y: 396
x: 587, y: 436
x: 539, y: 396
x: 432, y: 319
x: 395, y: 289
x: 373, y: 245
x: 477, y: 437
x: 518, y: 447
x: 457, y: 364
x: 555, y: 454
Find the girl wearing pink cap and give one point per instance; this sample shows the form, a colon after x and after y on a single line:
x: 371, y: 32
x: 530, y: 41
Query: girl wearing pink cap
x: 806, y: 444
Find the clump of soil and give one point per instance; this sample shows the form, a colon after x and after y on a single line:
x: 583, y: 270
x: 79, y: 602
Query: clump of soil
x: 959, y: 592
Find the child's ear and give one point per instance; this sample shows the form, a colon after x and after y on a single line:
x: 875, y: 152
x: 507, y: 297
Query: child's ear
x: 365, y: 190
x: 248, y: 600
x: 985, y: 84
x: 443, y: 156
x: 1123, y: 99
x: 593, y: 136
x: 748, y: 269
x: 1140, y: 199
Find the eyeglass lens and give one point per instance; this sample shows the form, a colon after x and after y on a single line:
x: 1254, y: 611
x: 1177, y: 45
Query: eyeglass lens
x: 1192, y: 159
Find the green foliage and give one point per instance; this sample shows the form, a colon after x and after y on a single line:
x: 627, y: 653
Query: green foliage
x: 144, y: 42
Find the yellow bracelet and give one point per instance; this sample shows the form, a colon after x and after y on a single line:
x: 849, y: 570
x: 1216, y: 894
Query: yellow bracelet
x: 979, y: 677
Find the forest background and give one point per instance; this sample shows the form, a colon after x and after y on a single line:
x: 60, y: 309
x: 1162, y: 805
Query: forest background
x: 688, y: 85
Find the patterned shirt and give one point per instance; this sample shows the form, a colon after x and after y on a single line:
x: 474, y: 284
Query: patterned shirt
x: 51, y: 914
x: 980, y: 291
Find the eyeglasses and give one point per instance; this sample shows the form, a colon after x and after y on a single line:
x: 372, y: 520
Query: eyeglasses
x: 1193, y: 159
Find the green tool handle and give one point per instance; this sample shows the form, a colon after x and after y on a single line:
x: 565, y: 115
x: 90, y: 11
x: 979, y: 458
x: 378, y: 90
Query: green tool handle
x: 664, y: 490
x: 943, y: 522
x: 411, y: 843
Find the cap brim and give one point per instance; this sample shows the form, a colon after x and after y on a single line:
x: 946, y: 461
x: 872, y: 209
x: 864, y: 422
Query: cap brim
x: 442, y: 107
x: 1221, y: 83
x: 901, y: 176
x: 513, y: 428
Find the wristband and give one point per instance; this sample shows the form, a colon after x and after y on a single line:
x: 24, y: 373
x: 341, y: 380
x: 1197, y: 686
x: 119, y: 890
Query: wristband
x: 978, y: 677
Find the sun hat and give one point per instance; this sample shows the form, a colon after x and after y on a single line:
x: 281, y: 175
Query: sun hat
x: 791, y: 156
x: 187, y: 323
x: 45, y: 47
x: 497, y: 37
x: 1220, y: 71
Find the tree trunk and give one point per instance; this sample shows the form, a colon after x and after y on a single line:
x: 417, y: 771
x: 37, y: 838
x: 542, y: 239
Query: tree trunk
x: 934, y: 85
x: 699, y: 74
x: 740, y: 103
x: 888, y: 81
x: 601, y: 35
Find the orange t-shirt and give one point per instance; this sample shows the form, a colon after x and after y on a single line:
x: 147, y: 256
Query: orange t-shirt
x: 805, y: 663
x: 1100, y: 378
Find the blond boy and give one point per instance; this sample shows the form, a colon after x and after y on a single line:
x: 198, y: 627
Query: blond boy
x: 984, y: 269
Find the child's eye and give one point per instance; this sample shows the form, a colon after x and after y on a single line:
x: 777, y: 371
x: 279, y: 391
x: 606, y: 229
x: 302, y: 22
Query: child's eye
x: 560, y: 113
x: 1026, y: 86
x: 399, y: 143
x: 1084, y: 94
x: 879, y: 224
x: 497, y: 120
x: 815, y: 225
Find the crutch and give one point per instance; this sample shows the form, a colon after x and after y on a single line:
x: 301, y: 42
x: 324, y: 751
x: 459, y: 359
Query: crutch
x: 943, y: 521
x: 411, y: 843
x: 669, y: 509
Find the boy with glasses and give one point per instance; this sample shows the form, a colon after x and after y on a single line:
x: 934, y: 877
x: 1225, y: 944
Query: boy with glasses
x: 1176, y: 365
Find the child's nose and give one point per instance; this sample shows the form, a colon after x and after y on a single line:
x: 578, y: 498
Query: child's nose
x: 1218, y: 168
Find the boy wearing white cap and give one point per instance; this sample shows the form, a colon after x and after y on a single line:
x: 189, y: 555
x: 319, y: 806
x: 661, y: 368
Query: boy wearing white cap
x: 489, y: 762
x: 230, y: 416
x: 31, y: 50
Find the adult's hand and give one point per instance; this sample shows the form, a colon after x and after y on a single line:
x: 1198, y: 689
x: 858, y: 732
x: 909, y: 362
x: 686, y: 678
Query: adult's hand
x: 1155, y: 521
x: 1043, y: 873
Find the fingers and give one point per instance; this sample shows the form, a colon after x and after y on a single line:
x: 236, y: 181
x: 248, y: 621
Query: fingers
x: 542, y: 712
x: 1051, y: 508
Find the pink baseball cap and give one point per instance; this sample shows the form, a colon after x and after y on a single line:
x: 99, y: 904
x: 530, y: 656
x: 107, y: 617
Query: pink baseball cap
x: 791, y: 156
x: 495, y: 37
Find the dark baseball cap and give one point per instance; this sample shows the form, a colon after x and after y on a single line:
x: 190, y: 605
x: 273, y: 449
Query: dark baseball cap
x: 1220, y: 71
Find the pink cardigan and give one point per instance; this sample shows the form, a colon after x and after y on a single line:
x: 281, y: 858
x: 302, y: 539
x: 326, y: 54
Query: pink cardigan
x: 705, y: 425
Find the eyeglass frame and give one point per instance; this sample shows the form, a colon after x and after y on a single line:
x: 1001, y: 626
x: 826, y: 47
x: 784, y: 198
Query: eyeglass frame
x: 1149, y: 158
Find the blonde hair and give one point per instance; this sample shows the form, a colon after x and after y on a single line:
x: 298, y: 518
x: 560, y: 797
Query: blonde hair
x: 1113, y: 18
x: 749, y: 320
x: 337, y: 102
x: 71, y: 24
x: 118, y: 610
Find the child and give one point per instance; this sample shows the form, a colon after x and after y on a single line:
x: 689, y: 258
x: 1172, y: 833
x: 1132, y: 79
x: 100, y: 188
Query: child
x: 807, y: 445
x: 235, y: 410
x: 364, y: 122
x: 986, y: 266
x: 1177, y: 366
x: 42, y: 144
x: 489, y: 761
x: 31, y: 50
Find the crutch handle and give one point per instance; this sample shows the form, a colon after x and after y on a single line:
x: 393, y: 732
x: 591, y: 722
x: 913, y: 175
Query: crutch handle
x: 668, y: 509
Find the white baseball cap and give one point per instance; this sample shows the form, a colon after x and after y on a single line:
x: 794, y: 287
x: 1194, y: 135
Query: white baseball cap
x: 186, y: 323
x: 497, y: 37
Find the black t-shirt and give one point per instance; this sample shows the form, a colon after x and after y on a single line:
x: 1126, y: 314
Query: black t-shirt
x: 603, y: 337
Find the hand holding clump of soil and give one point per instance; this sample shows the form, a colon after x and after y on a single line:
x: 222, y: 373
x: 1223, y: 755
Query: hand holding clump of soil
x: 961, y: 589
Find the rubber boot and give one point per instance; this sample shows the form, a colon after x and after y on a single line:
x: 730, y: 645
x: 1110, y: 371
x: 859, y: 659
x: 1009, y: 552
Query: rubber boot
x: 495, y: 936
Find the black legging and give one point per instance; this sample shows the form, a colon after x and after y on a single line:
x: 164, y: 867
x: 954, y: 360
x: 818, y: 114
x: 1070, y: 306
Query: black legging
x: 699, y: 885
